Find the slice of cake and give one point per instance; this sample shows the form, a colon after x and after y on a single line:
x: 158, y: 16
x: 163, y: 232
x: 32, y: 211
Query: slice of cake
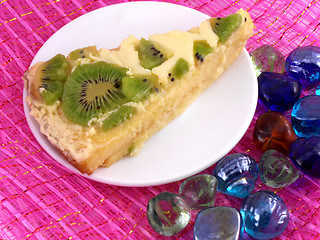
x: 96, y: 106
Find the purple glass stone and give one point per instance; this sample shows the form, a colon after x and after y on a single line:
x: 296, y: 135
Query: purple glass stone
x: 277, y: 91
x: 217, y: 223
x: 267, y: 59
x: 305, y: 154
x: 303, y: 64
x: 265, y: 215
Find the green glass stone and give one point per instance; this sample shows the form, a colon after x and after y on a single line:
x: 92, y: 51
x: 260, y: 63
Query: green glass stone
x: 168, y: 213
x: 276, y: 170
x: 199, y: 191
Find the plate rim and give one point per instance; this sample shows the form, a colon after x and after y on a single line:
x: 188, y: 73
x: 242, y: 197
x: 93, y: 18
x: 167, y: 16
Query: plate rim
x: 136, y: 183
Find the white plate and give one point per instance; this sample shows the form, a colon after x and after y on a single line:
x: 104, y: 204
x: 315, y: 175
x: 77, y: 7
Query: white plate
x: 197, y: 139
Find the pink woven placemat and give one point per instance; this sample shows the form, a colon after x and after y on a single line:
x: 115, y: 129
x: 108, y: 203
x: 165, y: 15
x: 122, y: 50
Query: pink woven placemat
x: 40, y: 199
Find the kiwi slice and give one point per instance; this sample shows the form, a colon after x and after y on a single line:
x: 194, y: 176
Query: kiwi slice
x: 57, y: 69
x: 92, y: 89
x: 81, y: 53
x: 51, y: 91
x: 117, y: 117
x: 137, y: 89
x: 180, y: 68
x: 50, y: 78
x: 150, y: 54
x: 201, y: 49
x: 224, y: 27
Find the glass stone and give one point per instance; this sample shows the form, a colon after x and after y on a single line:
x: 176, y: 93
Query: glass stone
x: 277, y: 91
x: 305, y: 154
x: 318, y: 90
x: 199, y: 191
x: 265, y: 215
x: 273, y: 131
x: 267, y: 59
x: 277, y: 170
x: 303, y: 64
x: 305, y: 116
x: 168, y: 213
x: 236, y: 174
x: 217, y: 223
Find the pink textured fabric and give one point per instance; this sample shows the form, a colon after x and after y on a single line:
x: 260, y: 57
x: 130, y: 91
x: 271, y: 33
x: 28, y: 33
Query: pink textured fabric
x: 39, y: 199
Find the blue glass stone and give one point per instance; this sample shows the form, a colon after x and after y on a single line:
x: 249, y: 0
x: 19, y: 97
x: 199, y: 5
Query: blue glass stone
x: 218, y: 223
x: 236, y: 174
x: 318, y: 90
x: 199, y: 191
x: 267, y: 58
x: 305, y: 116
x: 305, y: 154
x: 168, y: 213
x: 276, y: 170
x: 303, y: 64
x: 265, y: 215
x: 277, y: 91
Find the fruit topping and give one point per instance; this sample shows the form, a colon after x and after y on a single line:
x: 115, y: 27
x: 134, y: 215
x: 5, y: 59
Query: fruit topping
x: 201, y: 49
x: 150, y: 54
x: 180, y: 68
x: 137, y: 89
x: 51, y: 91
x: 57, y: 69
x: 50, y: 78
x: 81, y: 53
x: 92, y: 89
x: 224, y: 27
x: 117, y: 117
